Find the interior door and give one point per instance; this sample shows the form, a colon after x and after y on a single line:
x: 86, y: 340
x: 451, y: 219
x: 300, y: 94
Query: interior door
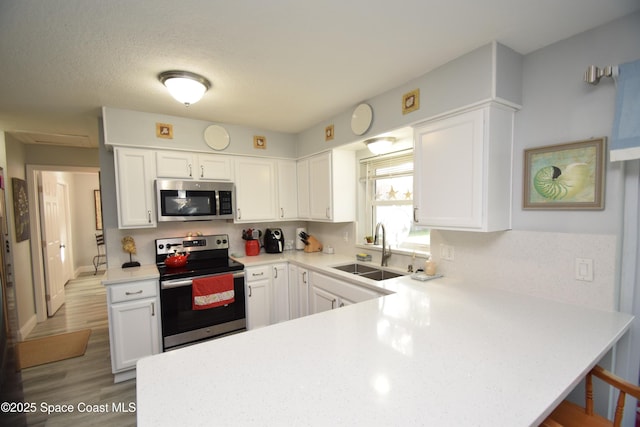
x: 65, y: 241
x: 50, y: 220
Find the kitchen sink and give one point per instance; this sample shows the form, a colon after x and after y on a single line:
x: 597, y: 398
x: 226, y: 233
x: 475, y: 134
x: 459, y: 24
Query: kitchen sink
x: 380, y: 275
x: 356, y: 268
x: 367, y: 272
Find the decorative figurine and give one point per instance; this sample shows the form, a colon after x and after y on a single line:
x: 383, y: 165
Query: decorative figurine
x: 129, y: 246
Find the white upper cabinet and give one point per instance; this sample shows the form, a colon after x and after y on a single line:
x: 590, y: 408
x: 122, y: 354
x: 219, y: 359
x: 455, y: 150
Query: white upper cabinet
x: 463, y: 165
x: 287, y: 189
x: 135, y: 173
x: 303, y: 188
x: 255, y: 180
x: 327, y: 186
x: 213, y: 167
x: 186, y: 165
x: 175, y: 164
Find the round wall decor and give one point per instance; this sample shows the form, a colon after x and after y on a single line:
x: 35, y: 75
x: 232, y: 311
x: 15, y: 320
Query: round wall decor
x: 361, y: 119
x: 216, y: 137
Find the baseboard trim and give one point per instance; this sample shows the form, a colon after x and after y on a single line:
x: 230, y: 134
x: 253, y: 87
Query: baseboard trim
x: 26, y: 329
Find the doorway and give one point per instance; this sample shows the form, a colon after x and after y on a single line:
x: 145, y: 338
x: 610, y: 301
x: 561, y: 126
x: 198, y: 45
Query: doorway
x: 77, y: 185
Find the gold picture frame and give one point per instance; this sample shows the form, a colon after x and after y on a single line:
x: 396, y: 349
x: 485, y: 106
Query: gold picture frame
x: 164, y: 130
x: 260, y: 142
x: 328, y: 133
x: 411, y: 101
x: 565, y: 176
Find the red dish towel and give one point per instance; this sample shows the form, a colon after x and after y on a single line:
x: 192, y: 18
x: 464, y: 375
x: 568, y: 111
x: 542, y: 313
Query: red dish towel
x: 212, y: 292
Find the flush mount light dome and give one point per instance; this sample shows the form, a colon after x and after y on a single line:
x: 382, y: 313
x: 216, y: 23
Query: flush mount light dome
x: 187, y: 88
x: 380, y: 145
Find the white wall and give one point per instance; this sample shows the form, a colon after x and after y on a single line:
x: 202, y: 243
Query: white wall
x: 83, y: 220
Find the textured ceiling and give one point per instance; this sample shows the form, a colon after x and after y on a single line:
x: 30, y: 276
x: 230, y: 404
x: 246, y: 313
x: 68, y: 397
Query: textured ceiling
x: 282, y: 65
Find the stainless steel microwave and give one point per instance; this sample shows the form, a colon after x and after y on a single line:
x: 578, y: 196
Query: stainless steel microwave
x: 194, y: 200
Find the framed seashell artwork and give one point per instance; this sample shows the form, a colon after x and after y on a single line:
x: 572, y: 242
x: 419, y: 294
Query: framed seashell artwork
x: 565, y: 176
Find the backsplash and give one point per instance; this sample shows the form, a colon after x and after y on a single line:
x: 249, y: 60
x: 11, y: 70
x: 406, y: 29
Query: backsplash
x: 531, y: 262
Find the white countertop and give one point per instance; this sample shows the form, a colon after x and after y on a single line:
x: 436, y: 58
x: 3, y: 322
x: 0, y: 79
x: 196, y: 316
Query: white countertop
x: 435, y: 353
x: 114, y: 276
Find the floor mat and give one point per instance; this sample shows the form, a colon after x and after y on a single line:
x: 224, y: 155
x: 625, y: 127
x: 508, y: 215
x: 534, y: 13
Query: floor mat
x: 52, y: 349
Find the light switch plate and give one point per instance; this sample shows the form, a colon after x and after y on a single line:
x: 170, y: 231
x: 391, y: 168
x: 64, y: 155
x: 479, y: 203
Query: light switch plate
x: 584, y: 269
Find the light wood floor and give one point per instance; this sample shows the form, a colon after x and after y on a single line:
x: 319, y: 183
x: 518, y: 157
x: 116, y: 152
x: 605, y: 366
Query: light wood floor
x: 85, y: 380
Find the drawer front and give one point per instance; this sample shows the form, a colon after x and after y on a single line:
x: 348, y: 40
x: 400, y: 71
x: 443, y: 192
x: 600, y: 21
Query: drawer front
x: 132, y: 291
x: 258, y: 273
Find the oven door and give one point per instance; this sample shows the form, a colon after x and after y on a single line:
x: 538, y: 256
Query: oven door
x: 182, y: 325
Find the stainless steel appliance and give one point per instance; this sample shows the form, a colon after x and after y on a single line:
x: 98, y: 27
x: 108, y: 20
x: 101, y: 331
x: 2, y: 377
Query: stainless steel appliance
x: 194, y: 200
x: 208, y: 256
x: 273, y: 241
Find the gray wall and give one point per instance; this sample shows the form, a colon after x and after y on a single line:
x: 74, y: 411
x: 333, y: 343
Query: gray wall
x: 559, y: 107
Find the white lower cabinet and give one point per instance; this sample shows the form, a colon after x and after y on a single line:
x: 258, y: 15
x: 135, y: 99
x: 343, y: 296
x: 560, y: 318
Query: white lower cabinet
x: 134, y: 325
x: 280, y: 292
x: 258, y: 291
x: 299, y: 281
x: 327, y: 293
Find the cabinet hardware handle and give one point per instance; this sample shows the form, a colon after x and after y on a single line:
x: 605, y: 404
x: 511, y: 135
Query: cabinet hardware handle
x: 149, y: 215
x: 190, y: 172
x: 304, y: 277
x: 239, y: 214
x: 415, y: 212
x: 281, y: 212
x: 249, y: 291
x: 333, y: 302
x: 341, y: 304
x: 133, y: 293
x: 153, y: 309
x: 326, y: 212
x: 275, y: 273
x: 258, y: 274
x: 201, y: 171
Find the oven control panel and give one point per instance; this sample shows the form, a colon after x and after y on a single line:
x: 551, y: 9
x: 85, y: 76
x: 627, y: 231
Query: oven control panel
x: 191, y: 244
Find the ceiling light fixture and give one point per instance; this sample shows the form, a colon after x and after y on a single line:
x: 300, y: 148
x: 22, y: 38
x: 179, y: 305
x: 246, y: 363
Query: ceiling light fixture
x: 380, y: 145
x: 187, y: 88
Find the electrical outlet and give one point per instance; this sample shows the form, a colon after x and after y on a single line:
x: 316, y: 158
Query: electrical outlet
x: 584, y: 269
x: 446, y: 252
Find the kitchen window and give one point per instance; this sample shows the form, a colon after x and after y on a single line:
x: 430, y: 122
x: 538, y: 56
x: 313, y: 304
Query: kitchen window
x: 386, y: 184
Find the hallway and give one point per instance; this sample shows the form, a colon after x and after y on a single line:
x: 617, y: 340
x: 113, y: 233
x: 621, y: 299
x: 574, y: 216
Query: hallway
x: 83, y: 382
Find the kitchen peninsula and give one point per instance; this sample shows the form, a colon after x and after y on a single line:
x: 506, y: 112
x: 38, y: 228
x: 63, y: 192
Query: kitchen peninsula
x: 432, y: 353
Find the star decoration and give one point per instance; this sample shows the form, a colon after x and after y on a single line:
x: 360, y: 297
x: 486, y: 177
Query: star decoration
x: 392, y: 193
x: 407, y: 195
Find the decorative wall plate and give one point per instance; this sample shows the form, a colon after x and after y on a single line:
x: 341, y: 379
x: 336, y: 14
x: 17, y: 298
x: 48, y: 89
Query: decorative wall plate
x: 216, y: 137
x: 361, y: 119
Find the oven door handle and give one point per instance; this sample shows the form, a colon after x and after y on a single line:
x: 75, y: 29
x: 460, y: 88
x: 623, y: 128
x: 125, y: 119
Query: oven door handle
x: 178, y: 283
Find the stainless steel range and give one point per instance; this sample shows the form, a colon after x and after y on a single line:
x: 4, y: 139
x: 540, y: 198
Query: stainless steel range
x: 208, y: 256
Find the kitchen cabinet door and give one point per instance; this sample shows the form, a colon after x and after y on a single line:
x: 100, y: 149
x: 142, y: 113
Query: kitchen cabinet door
x: 287, y: 189
x: 294, y: 294
x: 280, y: 289
x: 135, y: 173
x: 320, y: 186
x: 175, y: 164
x: 214, y: 167
x: 255, y: 181
x: 258, y: 292
x: 134, y: 331
x: 327, y: 187
x: 322, y: 300
x: 462, y: 178
x: 302, y: 169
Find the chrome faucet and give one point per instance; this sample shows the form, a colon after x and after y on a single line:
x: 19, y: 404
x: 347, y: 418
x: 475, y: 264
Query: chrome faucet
x: 386, y: 253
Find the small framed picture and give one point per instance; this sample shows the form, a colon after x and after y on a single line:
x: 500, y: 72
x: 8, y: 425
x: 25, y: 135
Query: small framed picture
x: 328, y: 133
x: 411, y: 101
x: 260, y: 142
x: 164, y: 130
x: 565, y: 176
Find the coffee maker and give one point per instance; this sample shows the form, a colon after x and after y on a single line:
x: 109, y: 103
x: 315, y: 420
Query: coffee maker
x: 273, y: 241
